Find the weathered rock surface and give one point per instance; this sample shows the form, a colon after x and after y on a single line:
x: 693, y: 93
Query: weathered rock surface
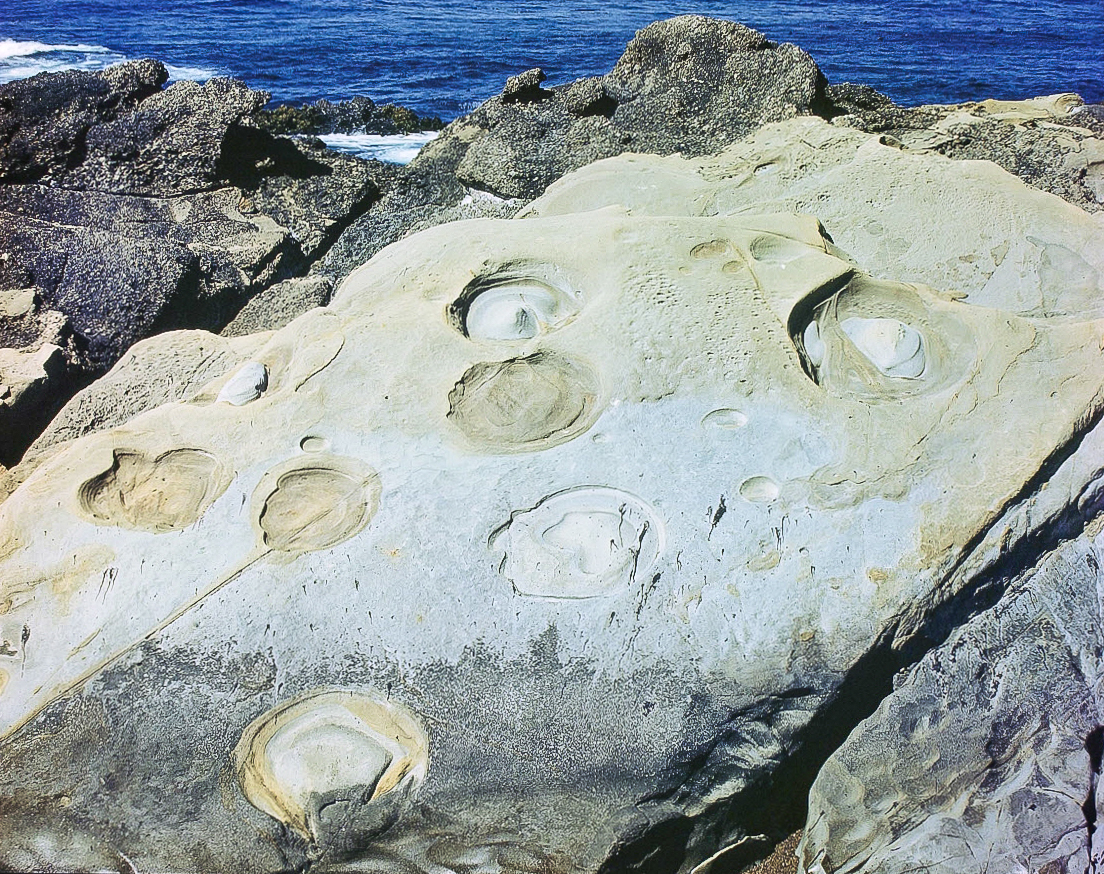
x: 359, y: 115
x: 1053, y: 143
x: 157, y: 209
x: 987, y: 756
x: 689, y: 84
x: 129, y: 210
x: 552, y: 544
x: 695, y: 85
x: 886, y: 207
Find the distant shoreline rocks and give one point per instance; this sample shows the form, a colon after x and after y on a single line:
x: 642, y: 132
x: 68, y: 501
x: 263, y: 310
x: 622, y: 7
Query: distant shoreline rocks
x: 359, y: 115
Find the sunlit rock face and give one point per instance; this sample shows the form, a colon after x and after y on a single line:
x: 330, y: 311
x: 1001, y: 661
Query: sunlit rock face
x: 539, y: 549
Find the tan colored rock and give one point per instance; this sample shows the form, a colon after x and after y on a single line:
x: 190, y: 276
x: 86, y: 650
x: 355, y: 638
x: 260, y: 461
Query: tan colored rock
x: 609, y: 503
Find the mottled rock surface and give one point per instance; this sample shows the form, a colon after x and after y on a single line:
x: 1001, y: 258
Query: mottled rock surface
x: 154, y: 209
x: 558, y: 543
x: 359, y: 115
x: 689, y: 85
x: 987, y: 756
x: 127, y: 210
x: 1053, y: 143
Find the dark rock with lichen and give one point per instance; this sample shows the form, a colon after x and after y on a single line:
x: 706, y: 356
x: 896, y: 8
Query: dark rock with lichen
x: 127, y: 209
x: 359, y: 115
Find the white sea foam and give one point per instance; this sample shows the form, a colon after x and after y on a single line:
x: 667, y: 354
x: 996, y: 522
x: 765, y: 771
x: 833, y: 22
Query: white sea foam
x: 20, y: 59
x: 392, y: 148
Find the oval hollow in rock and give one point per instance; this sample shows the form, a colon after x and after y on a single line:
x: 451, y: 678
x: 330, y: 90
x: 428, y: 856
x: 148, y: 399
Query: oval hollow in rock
x: 776, y: 249
x: 318, y: 505
x: 166, y: 493
x: 759, y: 490
x: 880, y: 340
x: 524, y: 403
x: 895, y: 348
x: 329, y: 747
x: 247, y: 384
x: 511, y: 306
x: 314, y: 443
x: 725, y: 419
x: 711, y: 249
x: 585, y: 542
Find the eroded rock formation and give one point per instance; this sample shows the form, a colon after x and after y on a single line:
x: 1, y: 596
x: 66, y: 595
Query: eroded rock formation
x: 566, y: 542
x: 126, y: 210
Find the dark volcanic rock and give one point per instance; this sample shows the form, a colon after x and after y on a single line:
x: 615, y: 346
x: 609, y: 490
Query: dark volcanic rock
x: 347, y: 116
x: 689, y: 85
x: 130, y: 210
x: 169, y: 145
x: 276, y: 306
x: 45, y: 120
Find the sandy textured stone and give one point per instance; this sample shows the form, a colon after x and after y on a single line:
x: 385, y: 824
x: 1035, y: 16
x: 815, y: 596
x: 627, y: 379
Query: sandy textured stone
x: 899, y: 214
x: 602, y: 508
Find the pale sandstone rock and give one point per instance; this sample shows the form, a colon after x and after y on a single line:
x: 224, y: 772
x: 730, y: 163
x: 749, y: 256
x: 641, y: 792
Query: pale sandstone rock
x: 960, y: 226
x: 601, y: 508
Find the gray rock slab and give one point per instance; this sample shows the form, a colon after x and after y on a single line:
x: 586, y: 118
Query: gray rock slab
x: 986, y: 756
x: 547, y: 545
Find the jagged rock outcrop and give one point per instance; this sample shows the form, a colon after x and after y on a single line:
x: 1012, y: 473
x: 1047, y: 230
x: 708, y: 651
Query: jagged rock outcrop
x: 1053, y: 143
x: 567, y: 542
x: 694, y: 85
x: 129, y: 210
x: 359, y: 115
x: 689, y: 85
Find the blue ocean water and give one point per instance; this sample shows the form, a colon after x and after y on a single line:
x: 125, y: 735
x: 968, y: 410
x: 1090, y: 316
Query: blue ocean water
x: 443, y: 57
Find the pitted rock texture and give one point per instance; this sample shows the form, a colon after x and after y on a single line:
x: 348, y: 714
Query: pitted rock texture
x: 130, y: 210
x: 152, y: 209
x: 689, y: 85
x: 578, y: 495
x: 987, y: 756
x: 1054, y: 143
x: 898, y: 213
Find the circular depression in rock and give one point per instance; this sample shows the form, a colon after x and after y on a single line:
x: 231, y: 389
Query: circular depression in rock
x: 759, y: 489
x: 163, y: 493
x: 881, y: 340
x: 585, y: 542
x: 725, y: 419
x: 327, y: 747
x: 524, y: 403
x: 247, y: 384
x: 317, y: 505
x: 511, y: 306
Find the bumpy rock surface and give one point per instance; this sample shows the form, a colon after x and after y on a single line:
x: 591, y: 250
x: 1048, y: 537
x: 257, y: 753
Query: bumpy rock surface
x: 689, y: 85
x: 157, y: 209
x: 359, y: 115
x: 552, y: 544
x: 695, y: 85
x: 129, y: 210
x: 987, y: 757
x: 1053, y: 143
